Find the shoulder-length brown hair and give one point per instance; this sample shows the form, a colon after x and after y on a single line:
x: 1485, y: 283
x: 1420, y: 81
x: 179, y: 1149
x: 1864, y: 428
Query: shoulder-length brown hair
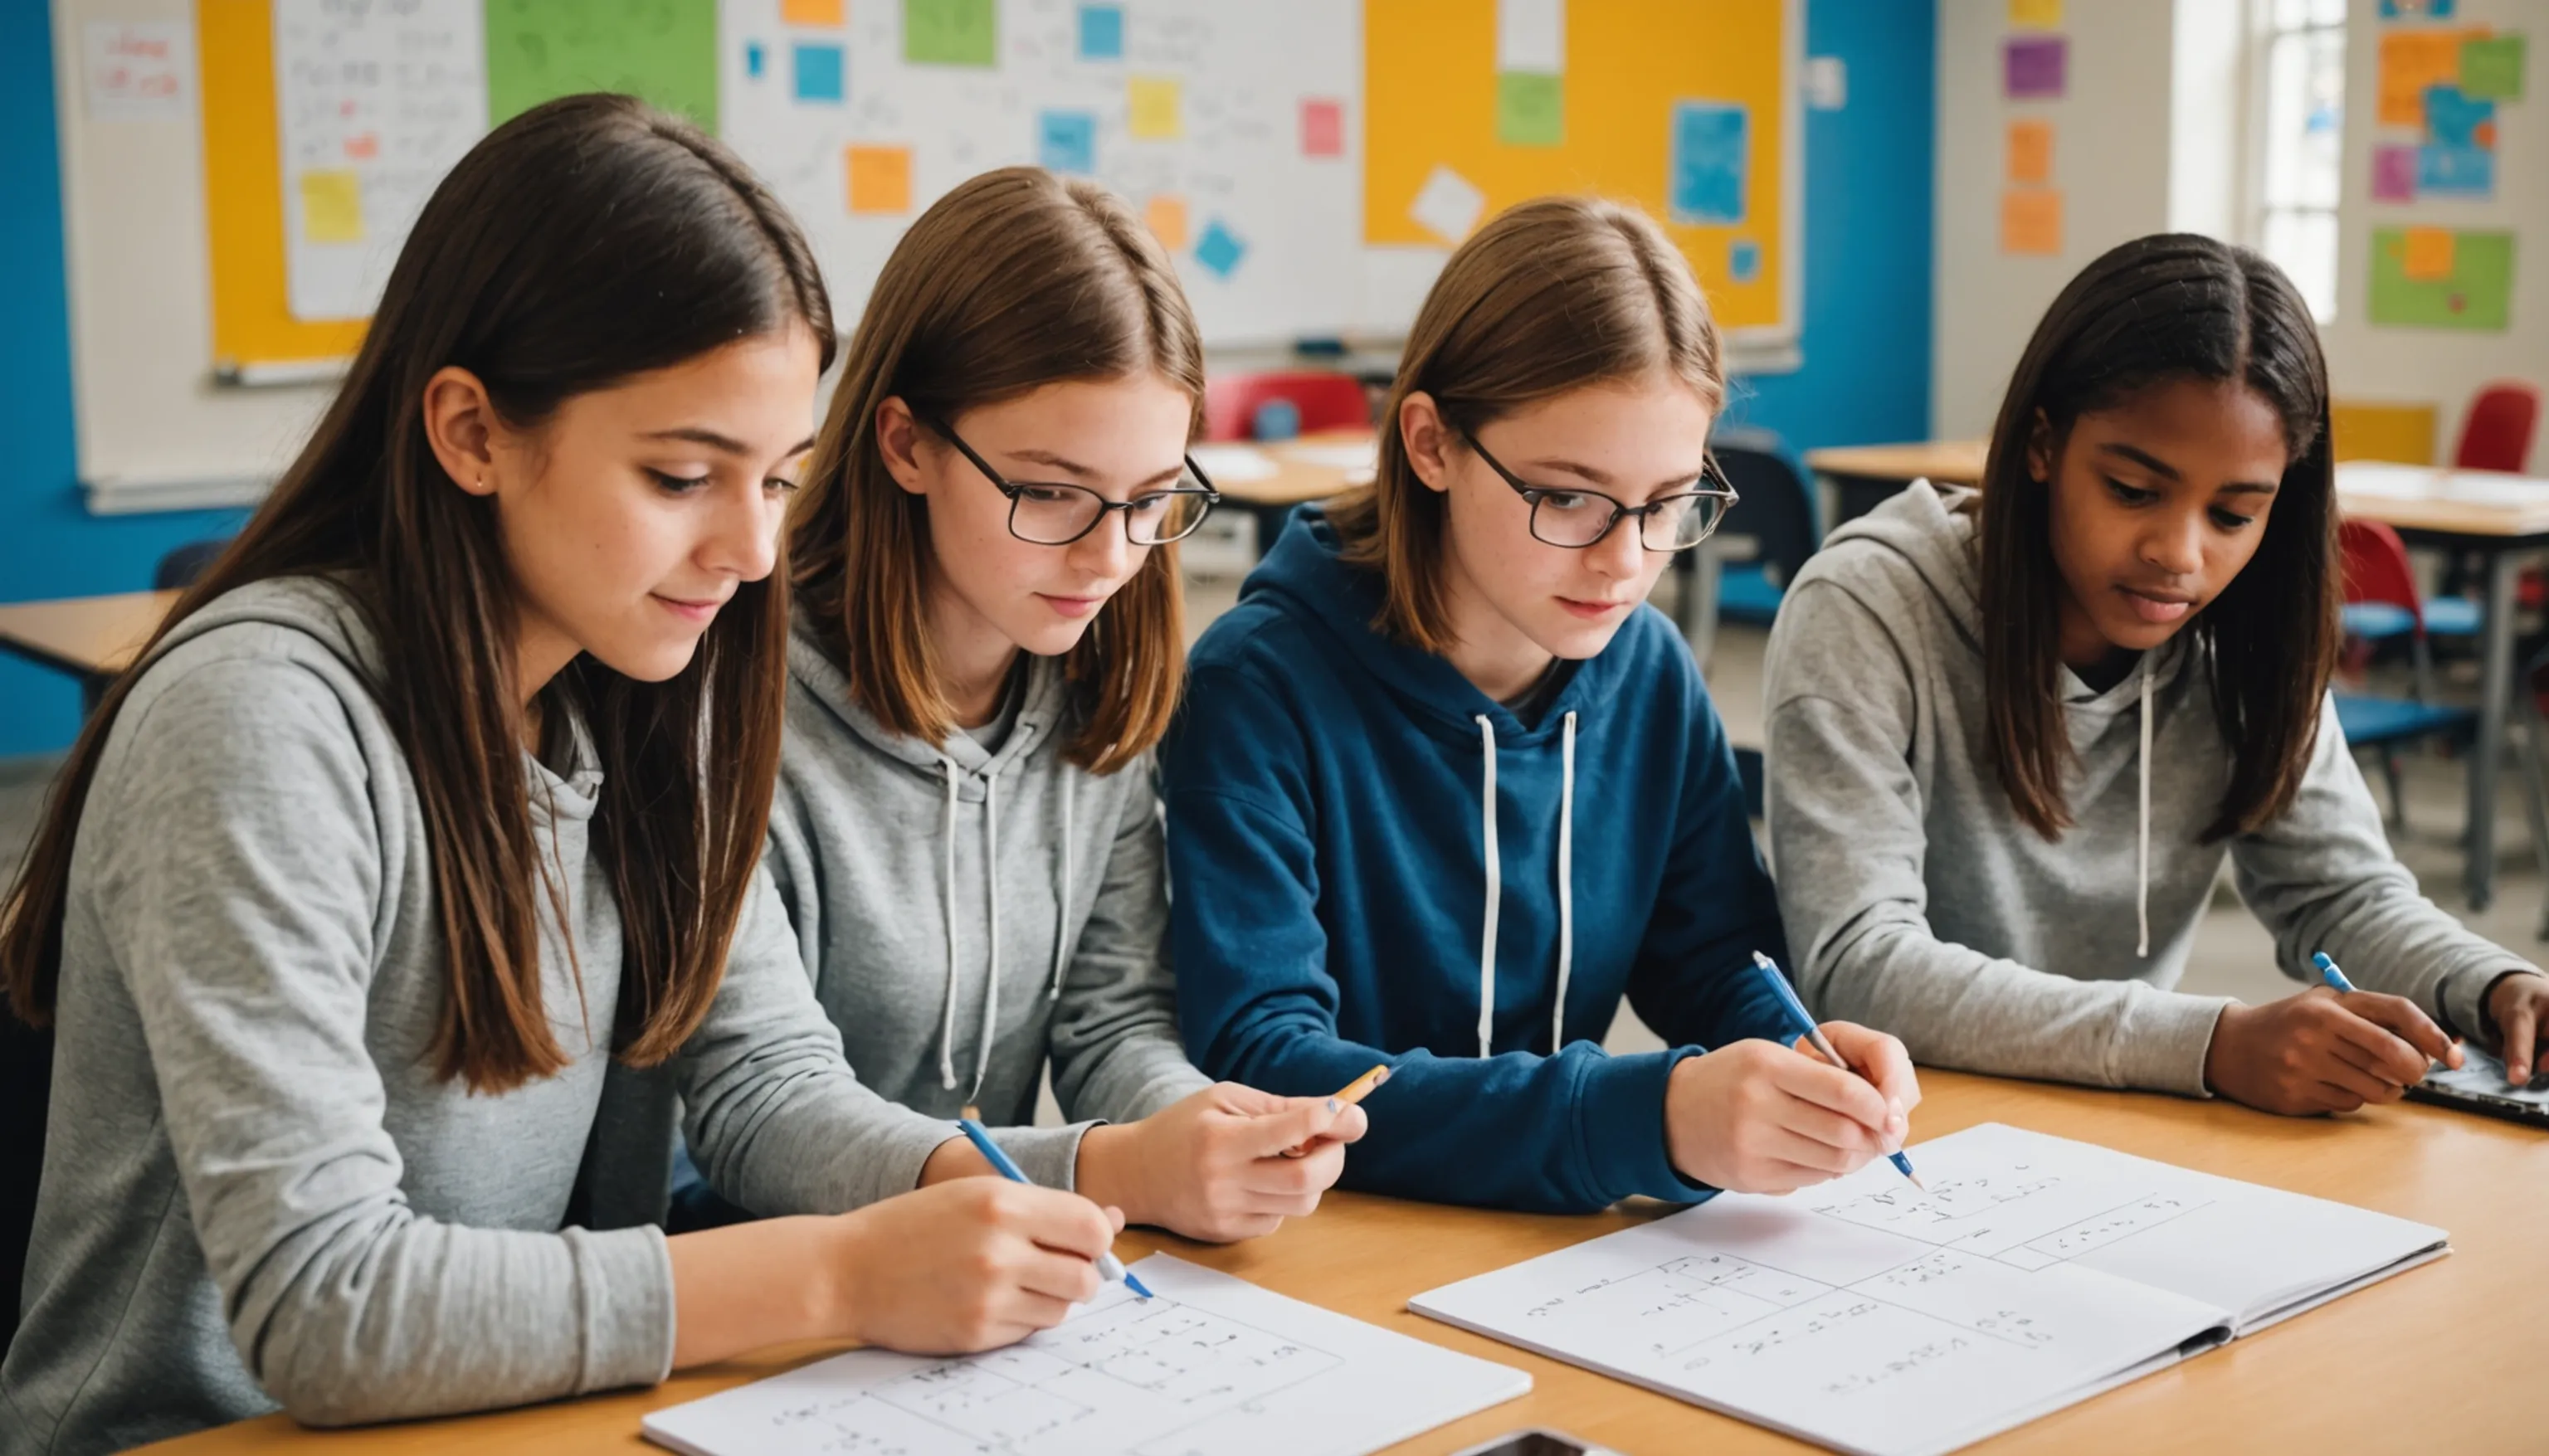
x: 1015, y: 280
x: 2168, y: 306
x: 1551, y: 296
x: 581, y: 243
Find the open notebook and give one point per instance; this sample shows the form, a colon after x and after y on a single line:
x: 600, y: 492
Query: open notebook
x: 1870, y: 1317
x: 1212, y: 1364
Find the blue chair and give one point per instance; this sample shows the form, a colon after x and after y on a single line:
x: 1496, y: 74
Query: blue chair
x: 184, y: 565
x: 1777, y: 513
x: 2384, y: 724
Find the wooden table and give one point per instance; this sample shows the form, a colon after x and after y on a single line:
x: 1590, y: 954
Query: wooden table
x: 1862, y: 476
x: 2450, y: 1354
x: 2504, y: 521
x: 92, y: 638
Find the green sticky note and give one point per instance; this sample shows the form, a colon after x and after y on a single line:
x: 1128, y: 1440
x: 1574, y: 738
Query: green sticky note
x: 2477, y: 293
x: 664, y: 51
x: 2492, y: 67
x: 950, y: 31
x: 1530, y: 109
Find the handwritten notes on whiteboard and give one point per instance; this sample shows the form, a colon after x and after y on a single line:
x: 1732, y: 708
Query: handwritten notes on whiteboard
x: 373, y: 103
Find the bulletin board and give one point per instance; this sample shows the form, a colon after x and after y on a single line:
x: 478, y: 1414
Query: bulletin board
x: 1687, y: 109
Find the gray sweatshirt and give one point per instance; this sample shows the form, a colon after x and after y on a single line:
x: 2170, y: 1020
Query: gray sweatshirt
x: 255, y: 1190
x: 1916, y: 901
x: 966, y: 914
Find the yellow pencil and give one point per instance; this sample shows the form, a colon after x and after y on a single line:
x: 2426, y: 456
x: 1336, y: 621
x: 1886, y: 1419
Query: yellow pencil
x: 1347, y: 1096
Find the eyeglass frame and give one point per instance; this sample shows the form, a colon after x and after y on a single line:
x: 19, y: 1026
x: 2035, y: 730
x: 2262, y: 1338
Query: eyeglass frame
x: 1723, y: 489
x: 1010, y: 489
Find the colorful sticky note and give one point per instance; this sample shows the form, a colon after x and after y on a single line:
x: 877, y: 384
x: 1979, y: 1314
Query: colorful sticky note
x: 2035, y: 15
x: 2456, y: 171
x: 1531, y: 36
x: 950, y: 31
x: 755, y: 60
x: 1156, y: 109
x: 2455, y: 119
x: 2492, y: 67
x: 818, y: 70
x: 2030, y: 221
x: 2410, y: 62
x: 664, y: 51
x: 2394, y: 174
x: 1166, y: 216
x: 2425, y: 253
x: 2476, y: 294
x: 331, y: 206
x: 2035, y: 67
x: 1067, y: 142
x: 1448, y: 205
x: 1744, y: 260
x: 1530, y: 109
x: 880, y: 179
x: 2415, y: 9
x: 1323, y: 126
x: 1219, y: 249
x: 1101, y: 33
x: 1707, y: 164
x: 812, y: 11
x: 2030, y: 152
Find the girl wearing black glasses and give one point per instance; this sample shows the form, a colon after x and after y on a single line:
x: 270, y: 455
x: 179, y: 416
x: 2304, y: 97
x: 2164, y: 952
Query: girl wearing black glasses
x: 988, y: 642
x: 1447, y: 789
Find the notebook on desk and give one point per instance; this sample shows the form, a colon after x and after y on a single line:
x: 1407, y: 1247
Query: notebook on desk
x: 1868, y: 1316
x: 2480, y: 1086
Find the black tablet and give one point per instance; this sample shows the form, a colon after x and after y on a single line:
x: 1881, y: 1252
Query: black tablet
x: 2480, y: 1086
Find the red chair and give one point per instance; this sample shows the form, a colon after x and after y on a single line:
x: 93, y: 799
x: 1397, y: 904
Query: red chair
x: 1324, y: 401
x: 2381, y: 596
x: 2497, y: 435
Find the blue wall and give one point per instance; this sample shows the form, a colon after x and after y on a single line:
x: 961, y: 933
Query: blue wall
x: 49, y: 545
x: 1868, y: 168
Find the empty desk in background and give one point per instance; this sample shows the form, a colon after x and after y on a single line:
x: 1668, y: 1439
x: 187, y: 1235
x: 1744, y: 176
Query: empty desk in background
x: 1862, y: 476
x: 2443, y: 1356
x: 1268, y: 477
x: 2504, y: 521
x: 91, y: 638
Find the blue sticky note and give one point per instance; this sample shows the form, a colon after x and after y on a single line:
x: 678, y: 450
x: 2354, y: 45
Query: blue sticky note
x: 1744, y: 260
x: 2455, y: 172
x: 1067, y: 142
x: 818, y: 73
x: 2453, y: 119
x: 1219, y: 249
x: 754, y: 61
x: 2415, y: 9
x: 1101, y: 33
x: 1705, y: 177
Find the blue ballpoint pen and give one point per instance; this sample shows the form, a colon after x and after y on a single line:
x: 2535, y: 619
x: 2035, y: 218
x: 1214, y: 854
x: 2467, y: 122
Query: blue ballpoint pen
x: 2328, y: 974
x: 1108, y: 1266
x: 1814, y: 1033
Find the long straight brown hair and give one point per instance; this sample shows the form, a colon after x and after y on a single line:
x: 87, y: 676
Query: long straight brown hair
x: 2159, y: 309
x: 1015, y: 280
x: 583, y: 244
x: 1551, y: 296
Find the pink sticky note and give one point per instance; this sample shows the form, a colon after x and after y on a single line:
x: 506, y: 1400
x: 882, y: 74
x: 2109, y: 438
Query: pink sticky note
x: 2032, y: 67
x: 1323, y: 128
x: 2394, y: 174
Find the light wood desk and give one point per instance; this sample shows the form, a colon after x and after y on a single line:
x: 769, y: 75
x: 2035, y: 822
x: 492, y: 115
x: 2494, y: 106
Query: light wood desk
x: 1309, y: 468
x: 92, y: 638
x: 1862, y: 476
x: 2446, y: 1355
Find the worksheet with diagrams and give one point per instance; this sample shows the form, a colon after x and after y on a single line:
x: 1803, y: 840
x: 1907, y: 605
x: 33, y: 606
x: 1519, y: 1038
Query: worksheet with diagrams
x: 1211, y: 1365
x: 1869, y: 1316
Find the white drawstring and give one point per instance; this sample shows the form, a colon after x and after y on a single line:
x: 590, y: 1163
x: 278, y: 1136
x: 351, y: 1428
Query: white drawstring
x: 2141, y: 885
x: 947, y: 1022
x: 1495, y: 893
x: 1062, y: 891
x: 991, y: 895
x: 1565, y: 889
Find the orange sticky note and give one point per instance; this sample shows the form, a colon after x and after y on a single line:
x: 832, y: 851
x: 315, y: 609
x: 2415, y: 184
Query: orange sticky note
x: 2410, y: 61
x: 880, y: 179
x: 2030, y: 152
x: 2031, y: 221
x: 2428, y: 255
x: 812, y: 11
x: 1166, y: 216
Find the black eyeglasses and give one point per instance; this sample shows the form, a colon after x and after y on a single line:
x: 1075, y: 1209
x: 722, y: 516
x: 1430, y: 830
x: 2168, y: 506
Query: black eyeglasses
x: 1576, y: 519
x: 1056, y: 514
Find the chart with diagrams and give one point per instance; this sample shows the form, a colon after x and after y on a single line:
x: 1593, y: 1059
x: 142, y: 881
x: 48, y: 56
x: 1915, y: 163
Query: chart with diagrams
x: 1212, y: 1364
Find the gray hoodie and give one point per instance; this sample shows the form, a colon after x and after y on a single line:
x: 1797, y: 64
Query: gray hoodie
x: 256, y: 1189
x: 966, y: 914
x: 1916, y: 902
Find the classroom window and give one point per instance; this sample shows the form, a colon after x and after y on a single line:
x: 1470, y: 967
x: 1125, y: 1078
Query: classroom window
x: 2300, y: 153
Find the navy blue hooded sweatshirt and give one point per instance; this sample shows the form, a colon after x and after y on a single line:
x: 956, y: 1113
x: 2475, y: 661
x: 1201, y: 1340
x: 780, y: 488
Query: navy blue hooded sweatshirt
x: 1334, y: 880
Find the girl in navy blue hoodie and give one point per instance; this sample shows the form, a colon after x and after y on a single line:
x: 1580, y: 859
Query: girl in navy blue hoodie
x: 1444, y: 789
